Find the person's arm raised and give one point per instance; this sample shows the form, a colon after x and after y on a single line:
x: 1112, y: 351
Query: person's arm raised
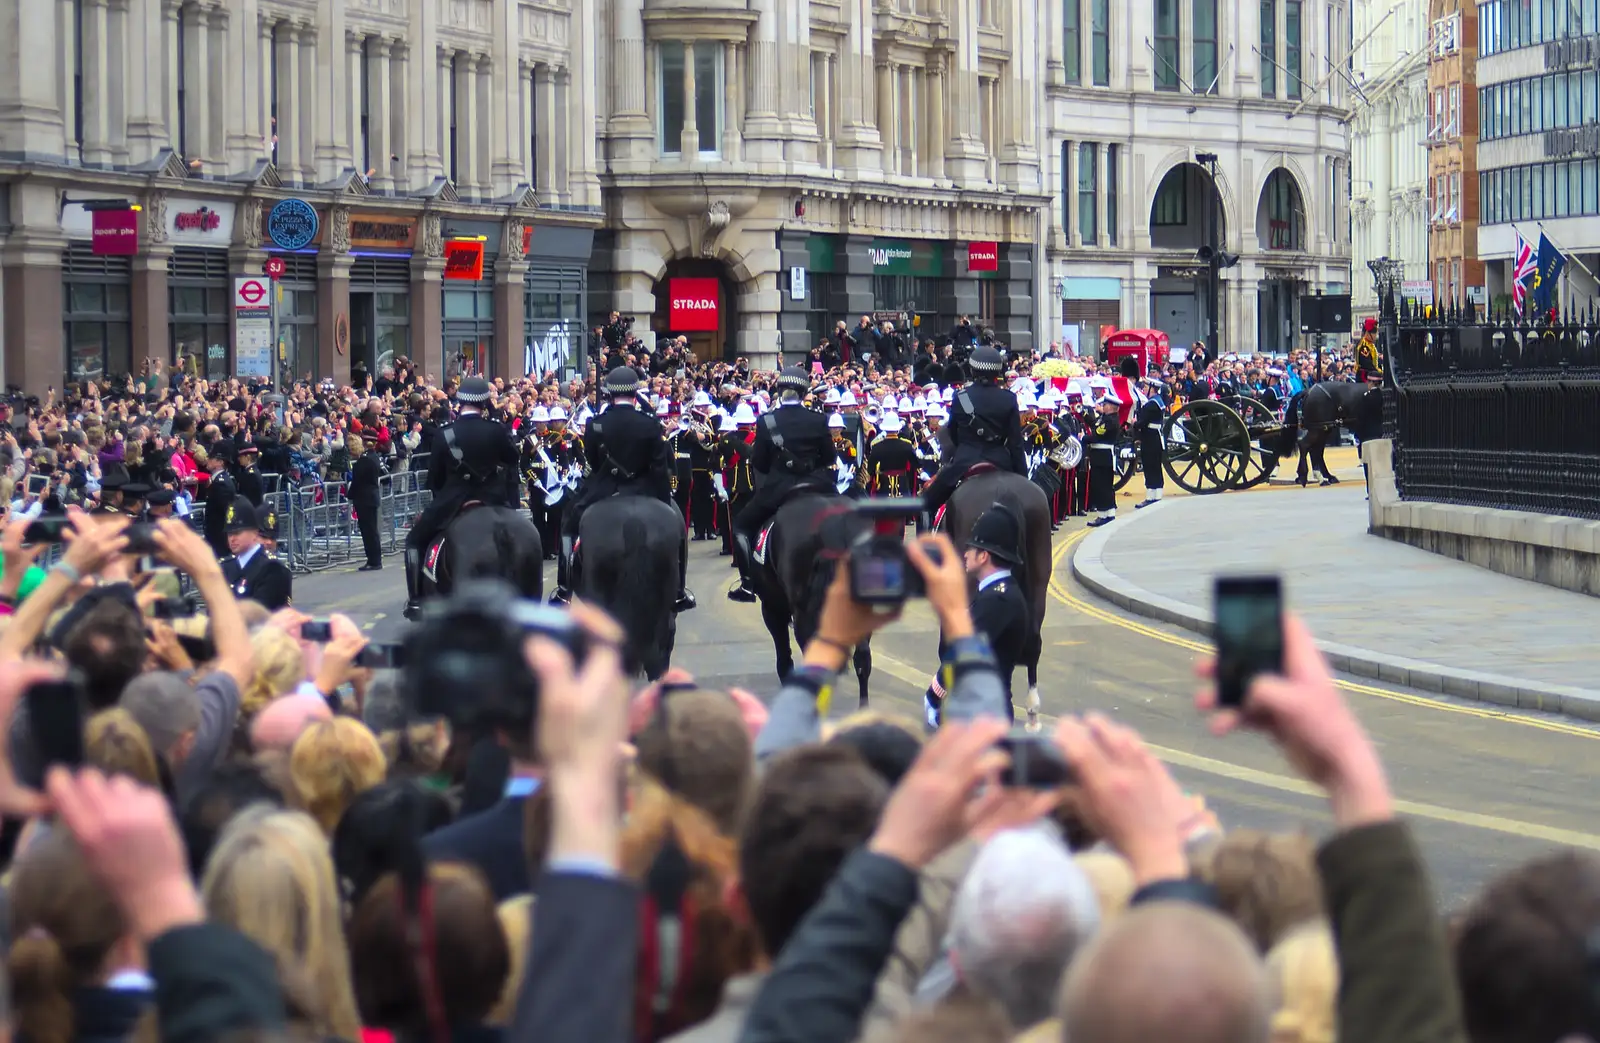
x: 188, y: 551
x: 94, y: 544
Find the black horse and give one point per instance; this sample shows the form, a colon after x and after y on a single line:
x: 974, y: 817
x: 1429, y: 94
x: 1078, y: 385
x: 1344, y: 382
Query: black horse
x: 629, y: 567
x: 1314, y: 416
x: 809, y: 536
x: 485, y: 543
x: 977, y: 494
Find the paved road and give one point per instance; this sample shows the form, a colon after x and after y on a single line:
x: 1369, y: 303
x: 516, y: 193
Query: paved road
x: 1486, y: 790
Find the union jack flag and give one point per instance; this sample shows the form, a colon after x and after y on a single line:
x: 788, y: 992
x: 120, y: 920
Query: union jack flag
x: 1522, y: 271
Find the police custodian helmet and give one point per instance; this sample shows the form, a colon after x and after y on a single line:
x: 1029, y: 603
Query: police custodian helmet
x: 999, y: 531
x: 793, y: 379
x: 623, y: 380
x: 986, y: 363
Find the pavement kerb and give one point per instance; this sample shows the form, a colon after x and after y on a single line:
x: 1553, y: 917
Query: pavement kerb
x: 1089, y: 569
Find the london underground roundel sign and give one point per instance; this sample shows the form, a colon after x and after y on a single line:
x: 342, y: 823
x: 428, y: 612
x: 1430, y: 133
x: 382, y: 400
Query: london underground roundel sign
x: 695, y: 305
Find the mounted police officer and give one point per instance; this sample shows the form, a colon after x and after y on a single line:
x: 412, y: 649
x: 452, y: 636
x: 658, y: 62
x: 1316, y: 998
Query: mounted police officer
x: 474, y: 458
x: 628, y: 454
x: 793, y: 448
x: 1000, y: 612
x: 985, y: 426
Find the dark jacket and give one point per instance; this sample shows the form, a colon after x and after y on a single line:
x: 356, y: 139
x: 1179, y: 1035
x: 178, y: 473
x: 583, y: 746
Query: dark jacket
x: 792, y: 442
x: 488, y: 467
x: 364, y: 479
x: 212, y: 981
x: 221, y: 491
x: 985, y: 425
x: 580, y: 977
x: 628, y: 451
x: 265, y: 579
x: 1000, y: 613
x: 490, y: 840
x: 107, y: 1015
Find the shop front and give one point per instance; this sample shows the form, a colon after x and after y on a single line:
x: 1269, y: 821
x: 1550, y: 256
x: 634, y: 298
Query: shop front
x: 97, y: 296
x: 1091, y: 309
x: 555, y: 289
x: 294, y: 231
x: 198, y: 289
x: 471, y: 249
x: 381, y: 246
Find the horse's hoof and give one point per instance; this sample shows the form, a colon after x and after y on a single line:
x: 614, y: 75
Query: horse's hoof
x: 1330, y: 481
x: 413, y: 611
x: 740, y: 594
x: 1033, y: 724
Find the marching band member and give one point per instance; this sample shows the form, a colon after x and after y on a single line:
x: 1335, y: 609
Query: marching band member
x: 1147, y: 424
x: 893, y: 461
x: 725, y: 461
x: 845, y: 460
x: 702, y: 443
x: 1100, y: 446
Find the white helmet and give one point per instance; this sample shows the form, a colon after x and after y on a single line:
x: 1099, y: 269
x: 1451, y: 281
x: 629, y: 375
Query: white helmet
x: 557, y: 414
x: 892, y: 423
x: 906, y: 404
x: 836, y: 422
x: 744, y: 414
x: 727, y: 424
x: 538, y: 415
x: 831, y: 398
x: 702, y: 400
x: 847, y: 399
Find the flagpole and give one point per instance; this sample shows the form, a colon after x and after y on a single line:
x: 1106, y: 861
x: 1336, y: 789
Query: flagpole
x: 1571, y: 257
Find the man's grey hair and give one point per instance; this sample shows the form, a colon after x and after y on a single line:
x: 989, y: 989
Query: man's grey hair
x: 1023, y: 911
x: 165, y: 706
x: 384, y: 709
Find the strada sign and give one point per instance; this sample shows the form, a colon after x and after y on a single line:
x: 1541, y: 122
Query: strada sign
x: 695, y: 305
x: 983, y: 257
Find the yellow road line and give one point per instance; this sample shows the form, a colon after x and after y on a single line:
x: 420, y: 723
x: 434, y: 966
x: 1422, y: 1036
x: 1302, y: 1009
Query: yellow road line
x: 1288, y: 784
x: 1096, y: 612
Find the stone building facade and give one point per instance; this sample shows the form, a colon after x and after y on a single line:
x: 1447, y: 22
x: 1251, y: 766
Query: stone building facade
x: 801, y: 162
x: 1136, y: 94
x: 403, y: 126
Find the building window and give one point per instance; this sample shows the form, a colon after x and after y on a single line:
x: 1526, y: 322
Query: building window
x: 1454, y: 213
x: 199, y: 328
x: 1205, y: 46
x: 1166, y: 70
x: 1066, y: 191
x: 1113, y: 186
x: 469, y: 330
x: 1452, y: 127
x: 1087, y: 169
x: 1291, y: 46
x: 297, y: 331
x: 1171, y: 207
x: 672, y: 103
x: 1101, y: 43
x: 1269, y: 48
x: 98, y: 317
x: 391, y: 326
x: 1285, y: 221
x: 553, y: 320
x: 1072, y: 40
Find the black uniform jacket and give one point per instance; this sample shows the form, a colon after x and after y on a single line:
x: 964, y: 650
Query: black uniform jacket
x: 264, y: 579
x: 488, y: 467
x: 627, y: 449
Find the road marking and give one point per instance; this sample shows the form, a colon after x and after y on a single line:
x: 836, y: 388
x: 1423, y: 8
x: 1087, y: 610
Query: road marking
x: 1287, y: 784
x: 1095, y: 612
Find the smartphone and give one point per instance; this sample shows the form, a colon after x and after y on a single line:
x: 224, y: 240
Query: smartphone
x: 1249, y: 632
x: 46, y: 530
x: 317, y: 630
x: 38, y: 483
x: 141, y: 538
x: 381, y: 657
x: 172, y: 608
x: 55, y: 717
x: 1036, y: 763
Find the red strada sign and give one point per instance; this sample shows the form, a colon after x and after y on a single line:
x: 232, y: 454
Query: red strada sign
x: 695, y: 305
x: 983, y: 257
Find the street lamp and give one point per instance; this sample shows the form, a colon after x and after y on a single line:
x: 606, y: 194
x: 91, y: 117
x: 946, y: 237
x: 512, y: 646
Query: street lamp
x: 1213, y: 256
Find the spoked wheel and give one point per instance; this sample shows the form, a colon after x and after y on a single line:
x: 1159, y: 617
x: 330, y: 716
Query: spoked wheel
x: 1264, y: 428
x: 1126, y: 456
x: 1208, y: 447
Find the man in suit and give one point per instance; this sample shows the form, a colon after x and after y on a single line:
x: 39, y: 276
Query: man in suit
x: 220, y: 494
x: 999, y: 608
x: 493, y: 839
x: 793, y: 448
x: 628, y: 455
x: 252, y: 572
x: 365, y: 477
x: 985, y: 426
x: 474, y: 458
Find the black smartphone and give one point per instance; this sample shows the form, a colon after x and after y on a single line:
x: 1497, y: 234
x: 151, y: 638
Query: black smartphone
x: 317, y: 630
x: 49, y: 529
x: 381, y: 657
x: 172, y: 608
x: 1036, y: 763
x: 1248, y: 611
x: 141, y: 538
x: 55, y: 718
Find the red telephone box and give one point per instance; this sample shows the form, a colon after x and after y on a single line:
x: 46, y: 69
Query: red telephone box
x: 1150, y: 347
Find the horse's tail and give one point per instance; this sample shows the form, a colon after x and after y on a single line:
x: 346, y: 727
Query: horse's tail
x: 635, y: 570
x: 1289, y: 440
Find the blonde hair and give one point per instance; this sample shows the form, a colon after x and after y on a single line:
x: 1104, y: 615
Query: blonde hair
x: 116, y: 744
x: 355, y: 445
x: 280, y: 667
x: 868, y: 718
x: 1112, y: 879
x: 331, y: 764
x: 1304, y: 971
x: 1266, y: 882
x: 516, y: 920
x: 271, y: 878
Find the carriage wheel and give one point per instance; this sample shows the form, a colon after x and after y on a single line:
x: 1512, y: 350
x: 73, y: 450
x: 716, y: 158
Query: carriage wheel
x: 1126, y: 456
x: 1263, y: 426
x: 1208, y: 447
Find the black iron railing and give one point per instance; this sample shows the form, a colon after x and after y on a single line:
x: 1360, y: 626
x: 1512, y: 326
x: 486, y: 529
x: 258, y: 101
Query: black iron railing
x: 1497, y: 411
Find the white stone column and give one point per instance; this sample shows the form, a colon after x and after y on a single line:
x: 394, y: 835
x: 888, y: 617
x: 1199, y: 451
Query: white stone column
x: 445, y: 113
x: 305, y: 112
x: 1102, y: 193
x: 827, y: 120
x: 937, y: 134
x: 965, y: 158
x: 218, y: 107
x: 888, y: 138
x: 328, y: 96
x: 731, y: 81
x: 630, y: 133
x: 910, y: 122
x: 690, y: 143
x: 425, y: 101
x: 96, y: 145
x: 469, y: 142
x: 583, y: 176
x: 380, y: 108
x: 359, y: 73
x: 117, y: 48
x: 1069, y: 205
x: 525, y: 114
x: 61, y: 70
x: 397, y: 118
x: 544, y: 90
x: 170, y: 27
x: 289, y: 103
x: 197, y: 84
x: 145, y: 105
x: 565, y: 136
x: 266, y: 68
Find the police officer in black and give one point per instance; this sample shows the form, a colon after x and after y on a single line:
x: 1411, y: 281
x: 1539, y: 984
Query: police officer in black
x: 1147, y: 424
x: 999, y: 608
x: 220, y: 494
x: 793, y: 448
x: 628, y: 455
x: 474, y: 458
x: 252, y: 572
x: 985, y: 426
